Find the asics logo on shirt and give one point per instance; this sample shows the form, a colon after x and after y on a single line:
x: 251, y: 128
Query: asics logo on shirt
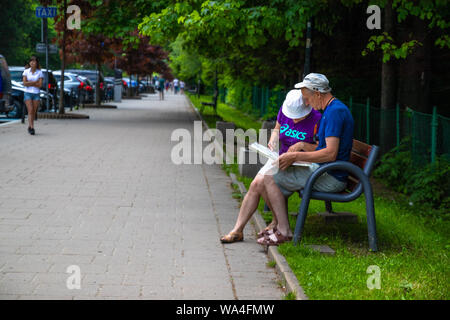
x: 292, y: 133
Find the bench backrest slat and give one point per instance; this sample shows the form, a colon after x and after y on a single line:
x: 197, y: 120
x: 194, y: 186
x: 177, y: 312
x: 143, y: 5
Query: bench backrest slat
x: 359, y: 156
x: 361, y: 148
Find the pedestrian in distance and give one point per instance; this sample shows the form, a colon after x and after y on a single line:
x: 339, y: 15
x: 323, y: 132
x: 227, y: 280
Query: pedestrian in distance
x: 176, y: 84
x: 32, y: 80
x: 295, y: 129
x: 161, y: 82
x: 182, y: 84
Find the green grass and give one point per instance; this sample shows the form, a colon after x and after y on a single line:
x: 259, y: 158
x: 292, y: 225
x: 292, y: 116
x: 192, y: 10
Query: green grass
x: 413, y: 246
x: 412, y: 256
x: 224, y: 113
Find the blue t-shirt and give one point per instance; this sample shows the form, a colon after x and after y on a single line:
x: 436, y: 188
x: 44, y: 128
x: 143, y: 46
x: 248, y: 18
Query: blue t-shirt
x: 337, y: 121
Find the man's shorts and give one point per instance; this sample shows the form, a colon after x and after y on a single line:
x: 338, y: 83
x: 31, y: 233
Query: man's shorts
x: 294, y: 178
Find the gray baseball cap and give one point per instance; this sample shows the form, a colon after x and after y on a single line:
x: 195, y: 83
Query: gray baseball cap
x: 316, y: 82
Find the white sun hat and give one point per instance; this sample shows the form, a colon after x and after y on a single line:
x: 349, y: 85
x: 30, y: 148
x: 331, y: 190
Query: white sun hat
x: 315, y: 81
x: 293, y: 106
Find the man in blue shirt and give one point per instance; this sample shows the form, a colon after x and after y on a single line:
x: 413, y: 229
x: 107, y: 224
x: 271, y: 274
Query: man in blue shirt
x: 335, y: 143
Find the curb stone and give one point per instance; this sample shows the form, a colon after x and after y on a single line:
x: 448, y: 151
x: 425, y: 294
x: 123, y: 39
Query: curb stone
x: 102, y: 106
x: 68, y: 115
x: 282, y: 266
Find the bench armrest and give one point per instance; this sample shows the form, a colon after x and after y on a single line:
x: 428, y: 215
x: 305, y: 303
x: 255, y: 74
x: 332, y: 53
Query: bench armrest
x: 337, y: 165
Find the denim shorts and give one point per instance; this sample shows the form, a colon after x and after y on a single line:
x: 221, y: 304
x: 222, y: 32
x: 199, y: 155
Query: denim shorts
x: 31, y: 96
x: 294, y: 178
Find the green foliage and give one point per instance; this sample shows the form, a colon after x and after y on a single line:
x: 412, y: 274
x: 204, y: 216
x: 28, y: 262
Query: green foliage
x: 239, y: 93
x: 435, y: 13
x: 185, y: 64
x: 20, y: 31
x: 389, y: 49
x: 431, y: 185
x: 276, y: 98
x: 427, y: 185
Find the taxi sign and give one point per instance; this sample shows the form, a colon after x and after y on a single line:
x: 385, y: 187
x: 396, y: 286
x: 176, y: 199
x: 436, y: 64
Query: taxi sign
x: 45, y: 12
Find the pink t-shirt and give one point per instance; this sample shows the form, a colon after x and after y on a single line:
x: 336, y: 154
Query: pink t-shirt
x: 291, y: 133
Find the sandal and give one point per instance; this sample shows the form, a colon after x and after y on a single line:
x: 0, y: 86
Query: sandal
x: 232, y: 237
x: 266, y: 231
x: 274, y: 239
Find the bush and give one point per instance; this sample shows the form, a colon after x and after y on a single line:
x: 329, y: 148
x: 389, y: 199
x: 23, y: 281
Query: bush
x: 276, y: 99
x: 427, y: 185
x: 431, y: 185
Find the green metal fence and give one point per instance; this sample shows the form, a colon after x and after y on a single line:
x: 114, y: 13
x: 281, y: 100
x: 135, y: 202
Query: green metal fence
x: 429, y: 134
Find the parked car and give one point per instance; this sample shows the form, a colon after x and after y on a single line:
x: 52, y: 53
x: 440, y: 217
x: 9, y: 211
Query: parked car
x: 74, y: 84
x: 88, y: 86
x: 148, y: 86
x: 109, y: 85
x: 9, y: 104
x: 134, y: 83
x: 92, y: 76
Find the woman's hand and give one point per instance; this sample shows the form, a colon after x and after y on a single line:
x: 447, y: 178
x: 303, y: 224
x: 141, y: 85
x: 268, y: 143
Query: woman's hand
x: 285, y: 160
x: 299, y: 146
x: 272, y: 145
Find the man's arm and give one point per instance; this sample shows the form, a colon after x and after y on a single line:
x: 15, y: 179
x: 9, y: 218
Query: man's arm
x: 303, y: 146
x: 327, y: 154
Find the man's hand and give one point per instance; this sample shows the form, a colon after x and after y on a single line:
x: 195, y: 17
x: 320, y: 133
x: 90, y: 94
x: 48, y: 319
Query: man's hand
x: 285, y: 160
x: 299, y: 146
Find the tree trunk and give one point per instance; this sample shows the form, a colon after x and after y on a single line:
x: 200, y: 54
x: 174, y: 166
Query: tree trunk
x: 415, y: 70
x: 388, y: 86
x: 63, y: 63
x: 216, y: 90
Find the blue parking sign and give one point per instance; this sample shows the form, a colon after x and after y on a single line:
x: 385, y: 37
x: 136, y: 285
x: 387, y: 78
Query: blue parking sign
x: 45, y: 12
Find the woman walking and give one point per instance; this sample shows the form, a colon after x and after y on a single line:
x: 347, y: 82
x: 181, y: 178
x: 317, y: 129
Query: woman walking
x: 32, y: 80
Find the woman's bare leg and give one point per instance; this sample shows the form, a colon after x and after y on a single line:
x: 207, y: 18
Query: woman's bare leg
x: 274, y: 221
x: 36, y: 104
x: 279, y: 205
x: 250, y: 203
x: 29, y: 104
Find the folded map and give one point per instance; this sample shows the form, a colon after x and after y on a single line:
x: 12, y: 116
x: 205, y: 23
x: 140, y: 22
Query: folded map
x: 274, y: 156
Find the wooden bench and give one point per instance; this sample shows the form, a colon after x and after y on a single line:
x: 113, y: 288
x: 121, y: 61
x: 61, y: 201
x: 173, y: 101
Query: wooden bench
x: 362, y: 161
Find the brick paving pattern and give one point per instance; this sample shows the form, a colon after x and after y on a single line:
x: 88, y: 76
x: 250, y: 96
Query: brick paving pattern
x: 104, y: 195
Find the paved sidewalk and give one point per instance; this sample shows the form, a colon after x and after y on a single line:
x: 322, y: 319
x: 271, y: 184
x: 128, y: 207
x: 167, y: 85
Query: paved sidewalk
x: 104, y: 195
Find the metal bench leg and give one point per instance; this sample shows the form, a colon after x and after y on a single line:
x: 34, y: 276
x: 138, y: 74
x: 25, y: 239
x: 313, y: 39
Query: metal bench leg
x: 370, y: 213
x: 328, y: 206
x: 303, y: 211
